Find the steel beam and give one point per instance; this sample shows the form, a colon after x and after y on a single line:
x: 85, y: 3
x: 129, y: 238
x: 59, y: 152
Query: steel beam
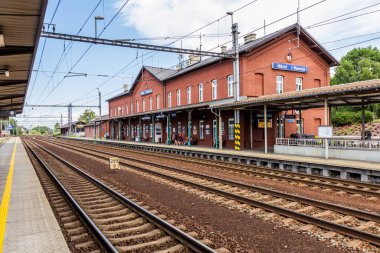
x: 122, y: 43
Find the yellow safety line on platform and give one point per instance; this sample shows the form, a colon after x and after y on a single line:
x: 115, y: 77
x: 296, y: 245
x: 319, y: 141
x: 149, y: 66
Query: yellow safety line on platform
x: 6, y: 197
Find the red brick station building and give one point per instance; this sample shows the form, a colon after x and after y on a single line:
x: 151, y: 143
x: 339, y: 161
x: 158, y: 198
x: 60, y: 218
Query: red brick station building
x: 185, y: 98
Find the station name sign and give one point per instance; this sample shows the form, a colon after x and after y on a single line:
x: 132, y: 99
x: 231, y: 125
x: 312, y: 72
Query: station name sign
x: 146, y: 92
x: 289, y: 67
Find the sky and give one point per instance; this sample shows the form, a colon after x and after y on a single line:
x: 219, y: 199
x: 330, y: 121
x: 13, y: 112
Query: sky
x: 66, y: 72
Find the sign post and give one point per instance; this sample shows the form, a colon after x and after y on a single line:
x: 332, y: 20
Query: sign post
x: 114, y: 163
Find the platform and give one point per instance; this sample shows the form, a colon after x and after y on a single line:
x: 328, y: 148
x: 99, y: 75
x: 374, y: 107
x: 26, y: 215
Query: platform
x: 30, y: 224
x: 365, y: 171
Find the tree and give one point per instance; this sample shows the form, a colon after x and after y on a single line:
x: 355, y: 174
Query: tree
x: 87, y: 116
x: 359, y: 64
x: 41, y: 130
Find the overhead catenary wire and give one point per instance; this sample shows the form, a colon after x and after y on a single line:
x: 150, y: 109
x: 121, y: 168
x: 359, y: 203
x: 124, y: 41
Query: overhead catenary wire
x: 68, y: 48
x: 86, y: 51
x: 43, y: 50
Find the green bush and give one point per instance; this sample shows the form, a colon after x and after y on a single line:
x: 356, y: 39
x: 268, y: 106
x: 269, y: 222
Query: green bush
x: 342, y: 118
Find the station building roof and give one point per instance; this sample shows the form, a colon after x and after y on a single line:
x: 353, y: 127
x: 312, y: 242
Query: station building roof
x: 20, y: 28
x: 163, y: 74
x: 344, y: 94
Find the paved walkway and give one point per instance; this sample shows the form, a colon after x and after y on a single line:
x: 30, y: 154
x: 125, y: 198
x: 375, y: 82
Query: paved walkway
x: 259, y: 154
x: 30, y: 223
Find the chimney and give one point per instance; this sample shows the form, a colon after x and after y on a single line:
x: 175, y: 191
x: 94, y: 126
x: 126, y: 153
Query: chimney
x: 223, y: 49
x: 249, y: 37
x: 125, y: 87
x: 193, y: 59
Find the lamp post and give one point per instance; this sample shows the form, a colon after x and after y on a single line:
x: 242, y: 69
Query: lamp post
x: 96, y: 24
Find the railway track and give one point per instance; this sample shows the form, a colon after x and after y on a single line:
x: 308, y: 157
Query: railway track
x: 119, y: 224
x: 349, y: 186
x: 350, y: 222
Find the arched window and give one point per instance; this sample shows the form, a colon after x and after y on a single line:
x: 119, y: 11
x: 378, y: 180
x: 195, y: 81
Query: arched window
x: 126, y: 109
x: 143, y: 105
x: 131, y: 107
x: 137, y: 106
x: 158, y: 102
x: 178, y: 97
x: 188, y: 93
x: 169, y: 99
x: 200, y: 88
x: 214, y: 89
x: 150, y: 104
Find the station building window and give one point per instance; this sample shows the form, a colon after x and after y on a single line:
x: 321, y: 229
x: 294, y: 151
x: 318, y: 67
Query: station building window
x: 188, y: 92
x: 280, y: 84
x: 143, y: 105
x: 179, y: 127
x: 230, y: 83
x: 150, y: 104
x: 231, y: 129
x: 126, y: 109
x: 158, y: 102
x: 200, y: 88
x: 178, y: 97
x: 201, y: 129
x: 131, y: 107
x: 298, y: 83
x: 169, y: 99
x: 137, y: 106
x: 214, y: 89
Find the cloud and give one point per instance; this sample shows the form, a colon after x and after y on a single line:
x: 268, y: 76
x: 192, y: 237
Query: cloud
x: 179, y: 17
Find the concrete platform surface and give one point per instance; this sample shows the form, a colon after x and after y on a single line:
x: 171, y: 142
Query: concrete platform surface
x: 259, y: 154
x: 30, y: 223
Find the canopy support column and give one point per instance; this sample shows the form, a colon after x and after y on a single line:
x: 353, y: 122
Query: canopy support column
x: 189, y: 128
x: 220, y: 130
x: 363, y: 120
x: 153, y: 130
x: 265, y: 130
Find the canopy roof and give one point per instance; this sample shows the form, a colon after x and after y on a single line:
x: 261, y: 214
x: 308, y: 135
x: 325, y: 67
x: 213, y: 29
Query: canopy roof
x: 20, y: 27
x: 343, y: 94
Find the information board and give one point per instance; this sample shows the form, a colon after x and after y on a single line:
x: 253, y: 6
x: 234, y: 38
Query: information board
x: 325, y: 131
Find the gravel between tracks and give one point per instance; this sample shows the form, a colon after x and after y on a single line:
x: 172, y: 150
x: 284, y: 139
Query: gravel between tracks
x: 226, y: 228
x: 342, y: 198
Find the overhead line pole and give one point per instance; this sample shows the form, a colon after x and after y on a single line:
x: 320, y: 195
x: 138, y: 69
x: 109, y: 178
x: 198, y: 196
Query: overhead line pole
x: 69, y: 109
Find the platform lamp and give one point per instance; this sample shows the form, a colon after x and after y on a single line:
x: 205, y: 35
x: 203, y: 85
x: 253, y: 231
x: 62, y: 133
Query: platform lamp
x: 96, y: 24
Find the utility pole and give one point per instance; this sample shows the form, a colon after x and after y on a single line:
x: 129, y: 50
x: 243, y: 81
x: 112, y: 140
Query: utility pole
x: 236, y: 71
x: 100, y: 113
x: 70, y: 111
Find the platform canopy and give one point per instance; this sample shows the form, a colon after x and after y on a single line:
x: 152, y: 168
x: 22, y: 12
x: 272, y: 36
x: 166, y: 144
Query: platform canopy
x: 344, y: 94
x: 20, y: 28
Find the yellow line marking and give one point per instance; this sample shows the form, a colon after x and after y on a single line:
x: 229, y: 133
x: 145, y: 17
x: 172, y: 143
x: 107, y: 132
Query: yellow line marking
x: 6, y: 197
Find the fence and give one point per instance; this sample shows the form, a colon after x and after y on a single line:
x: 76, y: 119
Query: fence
x: 332, y: 143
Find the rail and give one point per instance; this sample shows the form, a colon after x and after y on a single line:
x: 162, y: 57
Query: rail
x: 332, y: 143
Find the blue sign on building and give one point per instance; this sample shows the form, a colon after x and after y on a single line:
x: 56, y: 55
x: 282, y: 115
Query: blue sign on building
x: 289, y: 67
x: 146, y: 92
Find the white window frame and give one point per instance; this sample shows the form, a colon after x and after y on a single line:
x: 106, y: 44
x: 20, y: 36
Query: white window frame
x: 157, y: 102
x: 150, y: 104
x: 231, y: 129
x: 188, y: 92
x: 143, y: 105
x: 126, y: 109
x: 230, y: 85
x: 201, y: 129
x: 280, y: 84
x: 178, y: 97
x: 137, y: 106
x: 200, y: 92
x: 131, y: 107
x: 214, y: 89
x: 299, y: 83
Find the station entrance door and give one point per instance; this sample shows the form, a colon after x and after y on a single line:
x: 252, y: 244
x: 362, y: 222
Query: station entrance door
x: 158, y: 132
